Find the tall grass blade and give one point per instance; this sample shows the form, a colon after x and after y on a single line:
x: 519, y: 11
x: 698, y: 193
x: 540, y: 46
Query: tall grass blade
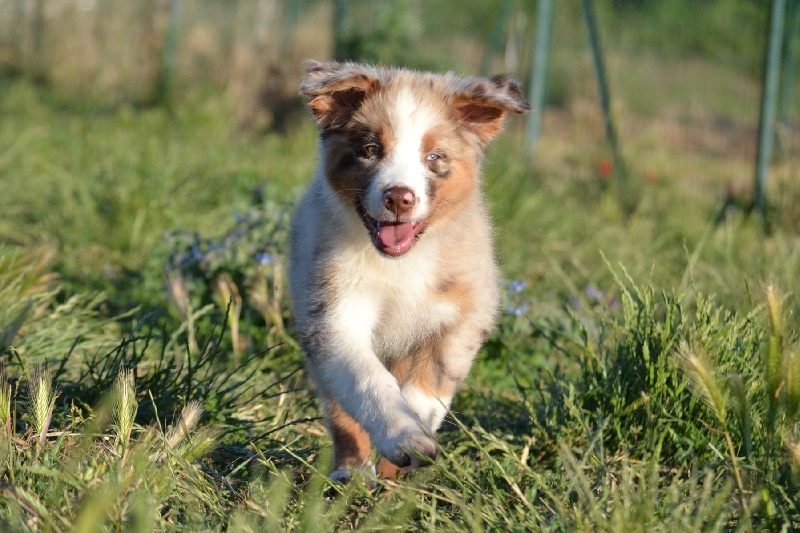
x: 742, y: 408
x: 5, y: 401
x: 9, y: 331
x: 791, y: 372
x: 5, y: 421
x: 773, y: 357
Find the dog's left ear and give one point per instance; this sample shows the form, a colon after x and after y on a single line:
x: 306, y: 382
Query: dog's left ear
x: 337, y: 90
x: 481, y: 103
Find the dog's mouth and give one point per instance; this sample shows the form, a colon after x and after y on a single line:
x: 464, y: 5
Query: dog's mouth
x: 392, y: 238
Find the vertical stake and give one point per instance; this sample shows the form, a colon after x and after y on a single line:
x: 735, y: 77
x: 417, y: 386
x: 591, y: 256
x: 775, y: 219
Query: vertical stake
x: 627, y: 192
x: 166, y: 77
x: 789, y: 61
x: 602, y: 85
x: 769, y: 99
x: 541, y: 56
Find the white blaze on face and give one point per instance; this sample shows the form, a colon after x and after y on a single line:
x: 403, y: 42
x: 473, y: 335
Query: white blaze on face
x: 404, y: 164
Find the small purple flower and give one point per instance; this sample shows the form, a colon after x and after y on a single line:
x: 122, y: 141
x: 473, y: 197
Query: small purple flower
x: 574, y: 301
x: 238, y: 217
x: 593, y: 293
x: 263, y: 259
x: 197, y: 255
x: 517, y: 310
x: 517, y: 286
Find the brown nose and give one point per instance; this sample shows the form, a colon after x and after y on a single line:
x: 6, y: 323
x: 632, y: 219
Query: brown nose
x: 399, y: 200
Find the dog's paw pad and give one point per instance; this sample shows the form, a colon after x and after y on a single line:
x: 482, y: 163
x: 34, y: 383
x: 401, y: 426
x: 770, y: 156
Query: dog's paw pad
x: 414, y: 450
x: 344, y: 474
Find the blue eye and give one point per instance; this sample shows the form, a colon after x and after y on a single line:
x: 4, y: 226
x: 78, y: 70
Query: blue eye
x: 432, y: 157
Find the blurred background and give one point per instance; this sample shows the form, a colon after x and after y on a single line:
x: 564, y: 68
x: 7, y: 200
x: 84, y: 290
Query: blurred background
x: 134, y: 118
x: 685, y: 74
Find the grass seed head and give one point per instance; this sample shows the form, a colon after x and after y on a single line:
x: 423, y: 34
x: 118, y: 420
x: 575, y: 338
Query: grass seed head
x: 178, y: 292
x: 227, y: 292
x: 703, y: 381
x: 775, y: 311
x: 190, y: 416
x: 125, y: 405
x: 200, y: 444
x: 41, y: 400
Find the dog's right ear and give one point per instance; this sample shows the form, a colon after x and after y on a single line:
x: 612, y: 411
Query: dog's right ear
x: 337, y: 90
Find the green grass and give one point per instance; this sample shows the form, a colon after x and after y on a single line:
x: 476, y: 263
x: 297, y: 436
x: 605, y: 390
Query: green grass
x: 646, y: 380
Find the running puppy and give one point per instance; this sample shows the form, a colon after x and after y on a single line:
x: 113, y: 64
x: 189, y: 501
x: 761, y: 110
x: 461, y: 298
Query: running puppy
x: 392, y: 272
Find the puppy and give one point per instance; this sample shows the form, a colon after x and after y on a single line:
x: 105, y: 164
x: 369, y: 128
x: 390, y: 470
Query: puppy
x: 392, y: 272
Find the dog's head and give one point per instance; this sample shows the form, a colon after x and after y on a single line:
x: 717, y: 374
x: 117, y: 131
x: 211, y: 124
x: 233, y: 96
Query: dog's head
x: 404, y: 148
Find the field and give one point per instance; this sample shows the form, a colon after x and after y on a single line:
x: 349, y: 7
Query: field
x: 645, y: 375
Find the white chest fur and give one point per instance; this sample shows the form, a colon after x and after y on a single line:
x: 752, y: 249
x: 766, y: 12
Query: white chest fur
x: 404, y: 308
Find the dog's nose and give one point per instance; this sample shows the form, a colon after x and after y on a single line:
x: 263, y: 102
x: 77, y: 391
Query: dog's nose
x: 399, y: 200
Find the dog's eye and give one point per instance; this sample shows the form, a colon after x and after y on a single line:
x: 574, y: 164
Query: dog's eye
x: 370, y: 151
x: 432, y: 157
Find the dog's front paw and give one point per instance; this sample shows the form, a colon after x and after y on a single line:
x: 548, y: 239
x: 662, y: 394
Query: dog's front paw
x: 411, y: 448
x: 344, y: 474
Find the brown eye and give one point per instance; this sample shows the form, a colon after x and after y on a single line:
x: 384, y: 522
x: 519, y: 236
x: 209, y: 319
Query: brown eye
x: 370, y: 151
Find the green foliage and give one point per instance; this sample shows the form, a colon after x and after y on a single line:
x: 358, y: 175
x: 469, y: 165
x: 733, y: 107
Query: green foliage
x: 386, y: 33
x: 690, y: 28
x: 243, y: 272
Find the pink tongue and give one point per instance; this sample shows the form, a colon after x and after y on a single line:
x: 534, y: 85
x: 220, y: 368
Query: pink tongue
x: 396, y: 239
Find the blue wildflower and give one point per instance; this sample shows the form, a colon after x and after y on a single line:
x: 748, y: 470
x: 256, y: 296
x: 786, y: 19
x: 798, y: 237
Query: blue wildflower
x: 238, y: 217
x: 517, y: 286
x: 264, y: 259
x: 517, y: 310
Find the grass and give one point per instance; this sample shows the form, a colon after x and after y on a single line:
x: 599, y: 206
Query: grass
x: 644, y: 377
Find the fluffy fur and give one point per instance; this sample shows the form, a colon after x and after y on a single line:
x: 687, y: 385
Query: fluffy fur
x: 392, y: 272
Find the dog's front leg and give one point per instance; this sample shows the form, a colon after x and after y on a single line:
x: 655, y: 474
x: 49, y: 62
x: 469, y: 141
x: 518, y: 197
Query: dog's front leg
x: 439, y: 368
x: 431, y: 377
x: 342, y: 361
